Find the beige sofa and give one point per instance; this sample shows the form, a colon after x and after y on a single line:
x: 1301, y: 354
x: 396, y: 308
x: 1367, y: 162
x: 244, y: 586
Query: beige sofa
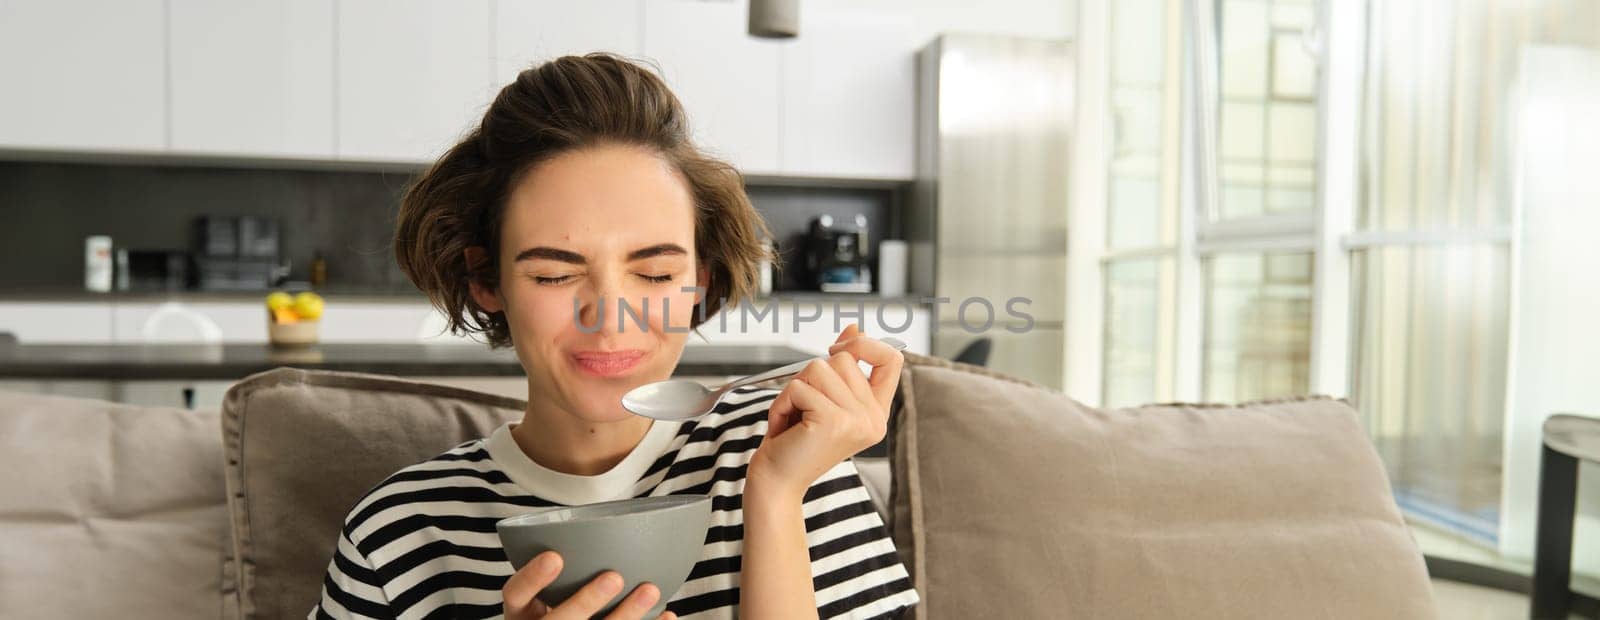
x: 1007, y: 500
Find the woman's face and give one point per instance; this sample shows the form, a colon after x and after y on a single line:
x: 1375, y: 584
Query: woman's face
x: 611, y: 223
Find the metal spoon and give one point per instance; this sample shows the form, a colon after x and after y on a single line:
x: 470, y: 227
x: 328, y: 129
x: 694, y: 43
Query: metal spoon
x: 682, y: 399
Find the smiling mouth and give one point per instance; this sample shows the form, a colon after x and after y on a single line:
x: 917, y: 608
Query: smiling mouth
x: 607, y: 363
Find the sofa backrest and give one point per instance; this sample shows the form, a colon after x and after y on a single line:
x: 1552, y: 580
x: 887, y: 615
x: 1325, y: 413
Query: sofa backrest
x: 109, y: 510
x: 303, y: 446
x: 1008, y: 499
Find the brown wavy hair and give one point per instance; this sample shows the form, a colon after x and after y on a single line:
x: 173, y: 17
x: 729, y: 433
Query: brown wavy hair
x: 567, y: 104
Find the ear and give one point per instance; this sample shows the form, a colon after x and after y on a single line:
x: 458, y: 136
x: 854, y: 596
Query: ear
x: 488, y: 299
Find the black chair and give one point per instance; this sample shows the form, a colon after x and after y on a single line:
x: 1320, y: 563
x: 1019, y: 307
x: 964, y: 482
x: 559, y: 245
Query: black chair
x: 1568, y: 439
x: 976, y: 352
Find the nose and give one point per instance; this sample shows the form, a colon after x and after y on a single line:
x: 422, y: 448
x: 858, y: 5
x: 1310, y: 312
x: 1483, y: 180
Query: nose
x: 594, y: 305
x: 600, y: 299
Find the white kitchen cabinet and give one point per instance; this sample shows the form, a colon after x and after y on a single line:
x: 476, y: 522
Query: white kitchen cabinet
x: 76, y: 388
x: 231, y: 321
x: 83, y: 75
x: 205, y: 395
x: 252, y: 78
x: 413, y: 76
x: 728, y: 81
x: 849, y: 93
x: 57, y: 322
x: 533, y: 31
x: 385, y: 321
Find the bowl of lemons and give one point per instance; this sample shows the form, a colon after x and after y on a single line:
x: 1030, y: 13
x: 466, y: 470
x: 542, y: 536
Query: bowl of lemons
x: 292, y: 320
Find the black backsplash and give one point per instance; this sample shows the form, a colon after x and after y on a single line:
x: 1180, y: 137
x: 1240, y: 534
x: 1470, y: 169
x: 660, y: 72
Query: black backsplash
x: 49, y: 207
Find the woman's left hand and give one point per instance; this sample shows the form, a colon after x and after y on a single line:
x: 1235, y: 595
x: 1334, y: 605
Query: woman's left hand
x: 826, y: 414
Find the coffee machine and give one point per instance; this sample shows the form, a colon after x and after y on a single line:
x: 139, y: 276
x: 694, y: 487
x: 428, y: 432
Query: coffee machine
x: 835, y: 254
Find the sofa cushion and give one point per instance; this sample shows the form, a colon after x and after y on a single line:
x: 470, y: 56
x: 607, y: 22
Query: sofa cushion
x: 303, y: 446
x: 110, y: 510
x: 1013, y: 501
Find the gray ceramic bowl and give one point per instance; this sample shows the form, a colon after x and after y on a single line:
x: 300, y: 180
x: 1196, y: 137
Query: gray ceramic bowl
x: 647, y: 539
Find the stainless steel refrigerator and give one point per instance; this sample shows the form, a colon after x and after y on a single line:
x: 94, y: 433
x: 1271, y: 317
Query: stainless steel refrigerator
x: 989, y: 217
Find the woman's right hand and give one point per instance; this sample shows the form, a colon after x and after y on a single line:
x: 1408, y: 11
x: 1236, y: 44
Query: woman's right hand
x: 520, y: 602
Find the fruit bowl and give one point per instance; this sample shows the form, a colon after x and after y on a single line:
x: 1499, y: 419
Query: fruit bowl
x: 291, y: 335
x: 292, y: 320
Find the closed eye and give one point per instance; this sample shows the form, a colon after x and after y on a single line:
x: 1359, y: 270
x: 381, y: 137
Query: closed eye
x: 561, y: 279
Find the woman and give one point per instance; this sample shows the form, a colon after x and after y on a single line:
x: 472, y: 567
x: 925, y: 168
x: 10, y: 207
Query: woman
x: 579, y: 192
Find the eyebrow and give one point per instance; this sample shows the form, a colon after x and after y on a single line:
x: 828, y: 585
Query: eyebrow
x: 565, y: 256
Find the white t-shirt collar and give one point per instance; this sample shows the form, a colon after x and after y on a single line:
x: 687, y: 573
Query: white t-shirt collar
x: 572, y: 489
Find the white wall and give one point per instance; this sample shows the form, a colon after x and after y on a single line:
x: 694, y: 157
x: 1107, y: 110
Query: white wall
x: 1555, y: 329
x: 1035, y: 18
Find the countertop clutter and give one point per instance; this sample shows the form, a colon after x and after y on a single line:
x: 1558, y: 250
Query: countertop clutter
x: 234, y: 360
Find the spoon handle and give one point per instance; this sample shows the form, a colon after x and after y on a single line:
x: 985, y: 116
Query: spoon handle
x: 776, y: 373
x: 790, y: 370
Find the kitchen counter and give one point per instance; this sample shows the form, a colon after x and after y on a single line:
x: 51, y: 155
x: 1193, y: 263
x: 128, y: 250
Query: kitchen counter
x: 235, y: 361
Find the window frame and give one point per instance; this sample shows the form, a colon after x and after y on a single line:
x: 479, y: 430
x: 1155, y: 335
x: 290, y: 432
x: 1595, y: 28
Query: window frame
x: 1338, y: 38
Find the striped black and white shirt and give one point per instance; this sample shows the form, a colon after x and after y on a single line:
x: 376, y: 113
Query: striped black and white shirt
x: 422, y: 544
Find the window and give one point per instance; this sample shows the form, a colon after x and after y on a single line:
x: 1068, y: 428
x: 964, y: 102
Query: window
x: 1244, y: 255
x: 1431, y: 255
x: 1258, y: 325
x: 1267, y: 125
x: 1257, y: 293
x: 1312, y: 196
x: 1138, y: 347
x: 1142, y: 198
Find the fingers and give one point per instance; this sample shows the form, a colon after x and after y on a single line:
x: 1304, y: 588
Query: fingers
x: 785, y: 411
x: 667, y: 615
x: 886, y: 363
x: 590, y: 598
x: 824, y: 375
x: 519, y: 591
x: 850, y: 331
x: 846, y: 366
x: 840, y: 382
x: 808, y: 398
x: 781, y: 414
x: 641, y: 600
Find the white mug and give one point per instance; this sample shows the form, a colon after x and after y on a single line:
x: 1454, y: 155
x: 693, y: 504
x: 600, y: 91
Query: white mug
x: 893, y: 261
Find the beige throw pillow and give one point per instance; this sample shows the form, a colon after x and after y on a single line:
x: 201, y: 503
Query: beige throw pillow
x: 109, y: 510
x: 303, y: 446
x: 1014, y: 501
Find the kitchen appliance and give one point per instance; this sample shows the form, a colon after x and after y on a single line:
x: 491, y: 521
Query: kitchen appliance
x: 835, y: 255
x: 991, y: 197
x: 237, y: 253
x: 154, y: 270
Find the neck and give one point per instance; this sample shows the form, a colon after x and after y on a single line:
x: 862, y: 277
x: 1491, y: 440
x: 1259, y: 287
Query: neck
x: 568, y: 444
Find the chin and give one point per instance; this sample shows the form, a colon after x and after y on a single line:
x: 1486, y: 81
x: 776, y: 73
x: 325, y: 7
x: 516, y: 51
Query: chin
x: 600, y: 400
x: 602, y: 413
